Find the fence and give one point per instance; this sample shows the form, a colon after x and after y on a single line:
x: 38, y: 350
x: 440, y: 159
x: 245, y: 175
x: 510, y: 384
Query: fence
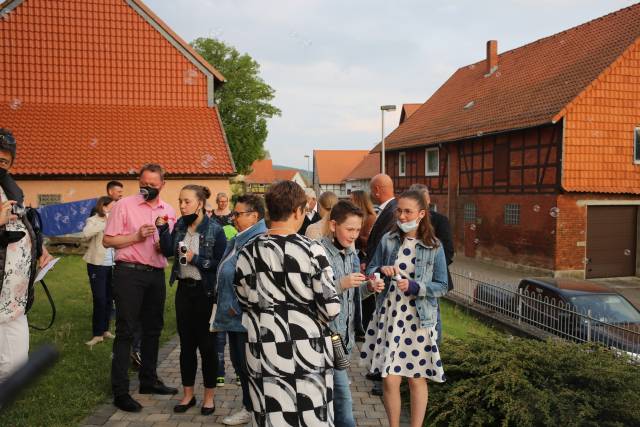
x: 542, y: 316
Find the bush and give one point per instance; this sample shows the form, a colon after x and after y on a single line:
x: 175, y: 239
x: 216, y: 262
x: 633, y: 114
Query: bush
x: 506, y: 381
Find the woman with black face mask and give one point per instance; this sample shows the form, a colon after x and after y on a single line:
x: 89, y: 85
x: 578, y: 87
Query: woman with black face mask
x: 197, y: 244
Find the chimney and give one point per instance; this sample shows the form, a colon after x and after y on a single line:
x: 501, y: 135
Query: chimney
x: 492, y: 56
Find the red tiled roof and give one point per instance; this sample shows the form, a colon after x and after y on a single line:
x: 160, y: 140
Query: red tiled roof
x: 531, y: 86
x: 115, y: 140
x: 366, y: 169
x: 262, y: 172
x: 284, y: 174
x: 407, y: 111
x: 83, y: 70
x: 332, y: 166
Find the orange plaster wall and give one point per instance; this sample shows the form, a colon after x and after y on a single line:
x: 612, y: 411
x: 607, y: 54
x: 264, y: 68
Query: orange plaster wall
x: 79, y: 190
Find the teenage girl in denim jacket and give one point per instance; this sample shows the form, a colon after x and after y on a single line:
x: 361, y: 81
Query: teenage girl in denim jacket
x: 401, y: 338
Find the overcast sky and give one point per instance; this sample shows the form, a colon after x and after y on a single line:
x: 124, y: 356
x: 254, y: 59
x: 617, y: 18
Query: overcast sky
x: 333, y: 63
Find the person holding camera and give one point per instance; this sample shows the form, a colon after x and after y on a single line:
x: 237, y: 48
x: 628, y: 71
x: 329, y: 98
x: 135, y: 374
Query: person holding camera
x: 197, y: 243
x: 21, y: 253
x: 138, y: 284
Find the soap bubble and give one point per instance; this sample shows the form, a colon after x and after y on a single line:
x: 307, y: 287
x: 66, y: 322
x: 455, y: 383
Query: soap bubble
x: 581, y: 231
x: 627, y: 252
x: 554, y: 212
x: 536, y: 208
x: 132, y: 171
x: 498, y: 74
x: 71, y: 192
x: 207, y: 161
x: 190, y: 77
x: 472, y: 227
x: 472, y: 66
x: 553, y: 231
x: 93, y: 143
x: 60, y: 248
x: 476, y: 241
x: 15, y: 103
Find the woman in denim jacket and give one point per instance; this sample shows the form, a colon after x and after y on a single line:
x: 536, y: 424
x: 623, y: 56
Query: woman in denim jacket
x: 248, y: 218
x: 401, y: 338
x: 205, y: 243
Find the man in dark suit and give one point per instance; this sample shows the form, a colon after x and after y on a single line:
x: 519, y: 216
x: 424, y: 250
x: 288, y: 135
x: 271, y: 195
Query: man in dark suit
x: 312, y: 215
x: 381, y: 187
x: 442, y: 230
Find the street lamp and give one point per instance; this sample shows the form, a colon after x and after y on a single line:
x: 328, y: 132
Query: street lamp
x: 384, y: 108
x: 306, y: 156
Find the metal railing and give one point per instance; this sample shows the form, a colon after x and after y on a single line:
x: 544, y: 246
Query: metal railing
x: 526, y: 310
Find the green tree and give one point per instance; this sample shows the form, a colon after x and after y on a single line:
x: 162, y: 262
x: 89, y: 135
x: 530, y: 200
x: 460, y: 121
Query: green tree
x: 243, y: 100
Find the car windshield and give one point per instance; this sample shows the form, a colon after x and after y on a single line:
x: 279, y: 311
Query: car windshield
x: 607, y: 308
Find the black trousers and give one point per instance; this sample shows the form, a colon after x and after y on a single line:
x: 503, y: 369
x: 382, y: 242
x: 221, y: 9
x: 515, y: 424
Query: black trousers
x: 193, y: 310
x: 139, y: 297
x: 368, y: 308
x: 100, y: 281
x: 237, y: 349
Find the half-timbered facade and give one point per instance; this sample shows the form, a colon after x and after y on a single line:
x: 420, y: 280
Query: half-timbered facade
x: 533, y: 153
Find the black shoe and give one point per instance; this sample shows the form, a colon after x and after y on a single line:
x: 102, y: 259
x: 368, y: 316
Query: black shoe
x: 178, y: 409
x: 127, y: 403
x: 136, y: 359
x: 373, y: 377
x: 207, y: 411
x: 377, y: 389
x: 157, y: 388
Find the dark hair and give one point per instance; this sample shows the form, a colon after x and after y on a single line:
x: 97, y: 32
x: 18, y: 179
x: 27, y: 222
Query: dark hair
x: 253, y: 202
x: 342, y: 210
x: 112, y: 184
x: 202, y: 192
x: 153, y: 167
x: 8, y: 143
x: 425, y: 229
x: 101, y: 203
x: 283, y: 199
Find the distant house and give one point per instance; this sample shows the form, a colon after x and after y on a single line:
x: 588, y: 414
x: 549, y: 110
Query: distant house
x: 93, y: 90
x: 534, y: 153
x: 360, y: 176
x: 331, y: 167
x: 263, y: 175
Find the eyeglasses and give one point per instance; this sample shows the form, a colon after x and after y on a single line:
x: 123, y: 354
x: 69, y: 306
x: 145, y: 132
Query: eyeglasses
x: 236, y: 214
x: 405, y: 211
x: 5, y: 162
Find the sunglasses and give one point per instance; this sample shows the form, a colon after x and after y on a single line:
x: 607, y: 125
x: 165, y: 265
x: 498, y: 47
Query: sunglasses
x: 7, y: 139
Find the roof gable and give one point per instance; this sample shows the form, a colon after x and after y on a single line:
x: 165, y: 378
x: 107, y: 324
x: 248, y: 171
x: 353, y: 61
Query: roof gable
x: 531, y: 85
x: 366, y: 169
x: 332, y: 166
x: 262, y: 172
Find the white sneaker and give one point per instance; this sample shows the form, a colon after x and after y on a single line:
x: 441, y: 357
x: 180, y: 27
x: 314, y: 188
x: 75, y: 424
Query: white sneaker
x: 241, y: 417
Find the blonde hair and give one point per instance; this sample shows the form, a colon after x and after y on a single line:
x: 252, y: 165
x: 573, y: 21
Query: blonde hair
x: 327, y: 201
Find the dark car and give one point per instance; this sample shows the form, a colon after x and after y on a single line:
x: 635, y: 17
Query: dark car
x: 574, y: 309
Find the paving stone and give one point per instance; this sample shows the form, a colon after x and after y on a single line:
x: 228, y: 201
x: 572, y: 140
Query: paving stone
x: 157, y: 417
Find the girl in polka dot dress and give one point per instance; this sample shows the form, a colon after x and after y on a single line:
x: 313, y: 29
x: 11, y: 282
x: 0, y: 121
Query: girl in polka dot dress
x: 401, y: 338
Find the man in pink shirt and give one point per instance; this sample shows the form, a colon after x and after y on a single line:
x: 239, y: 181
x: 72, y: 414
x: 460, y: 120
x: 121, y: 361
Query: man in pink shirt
x: 138, y: 284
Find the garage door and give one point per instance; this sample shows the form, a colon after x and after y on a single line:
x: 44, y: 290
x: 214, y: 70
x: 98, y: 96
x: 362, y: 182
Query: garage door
x: 611, y: 241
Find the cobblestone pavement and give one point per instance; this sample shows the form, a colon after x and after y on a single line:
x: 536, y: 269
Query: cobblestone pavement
x: 158, y: 410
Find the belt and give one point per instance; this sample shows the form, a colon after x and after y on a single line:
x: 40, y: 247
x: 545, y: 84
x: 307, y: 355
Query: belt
x: 190, y: 283
x: 135, y: 266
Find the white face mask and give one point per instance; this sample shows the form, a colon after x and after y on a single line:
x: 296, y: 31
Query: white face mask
x: 408, y: 226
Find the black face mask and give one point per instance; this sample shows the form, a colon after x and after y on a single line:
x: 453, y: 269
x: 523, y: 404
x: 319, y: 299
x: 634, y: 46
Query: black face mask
x: 149, y: 193
x: 3, y: 173
x: 191, y: 218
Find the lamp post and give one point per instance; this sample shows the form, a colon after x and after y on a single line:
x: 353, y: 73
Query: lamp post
x: 306, y: 156
x: 384, y: 108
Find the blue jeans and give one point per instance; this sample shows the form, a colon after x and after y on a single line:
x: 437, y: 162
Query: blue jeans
x: 221, y: 342
x: 342, y: 402
x: 237, y: 344
x: 100, y: 281
x: 439, y: 327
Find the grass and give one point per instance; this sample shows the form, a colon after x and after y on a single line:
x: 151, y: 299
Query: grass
x: 457, y: 322
x: 80, y: 379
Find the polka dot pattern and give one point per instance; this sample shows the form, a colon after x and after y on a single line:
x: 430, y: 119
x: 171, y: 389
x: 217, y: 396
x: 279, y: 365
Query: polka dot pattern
x: 398, y: 345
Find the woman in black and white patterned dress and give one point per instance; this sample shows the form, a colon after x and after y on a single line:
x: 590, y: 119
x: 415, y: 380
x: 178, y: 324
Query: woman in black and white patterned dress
x: 285, y: 285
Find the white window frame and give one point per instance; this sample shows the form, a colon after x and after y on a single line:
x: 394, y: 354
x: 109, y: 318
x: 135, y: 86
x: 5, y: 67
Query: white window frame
x: 426, y: 162
x: 402, y: 163
x: 636, y: 146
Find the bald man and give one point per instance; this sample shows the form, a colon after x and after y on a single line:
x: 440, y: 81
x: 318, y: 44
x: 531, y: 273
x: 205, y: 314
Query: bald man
x: 381, y: 187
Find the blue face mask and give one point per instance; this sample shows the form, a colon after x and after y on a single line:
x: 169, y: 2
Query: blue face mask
x: 408, y: 226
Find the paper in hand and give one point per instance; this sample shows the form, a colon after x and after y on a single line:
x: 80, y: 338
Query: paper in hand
x: 44, y: 270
